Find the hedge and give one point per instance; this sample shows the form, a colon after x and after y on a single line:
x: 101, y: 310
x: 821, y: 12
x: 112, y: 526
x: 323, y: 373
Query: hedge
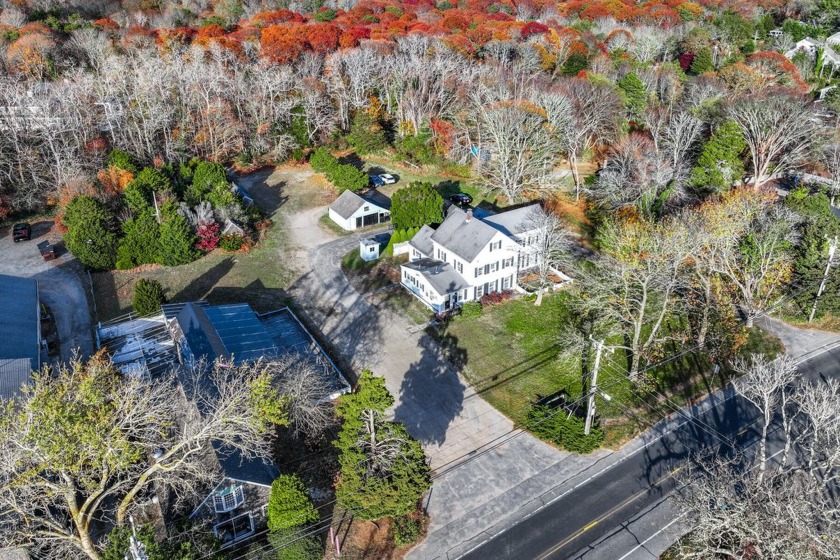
x: 343, y: 176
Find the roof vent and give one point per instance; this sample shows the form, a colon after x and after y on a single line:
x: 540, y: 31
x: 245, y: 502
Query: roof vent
x: 469, y: 215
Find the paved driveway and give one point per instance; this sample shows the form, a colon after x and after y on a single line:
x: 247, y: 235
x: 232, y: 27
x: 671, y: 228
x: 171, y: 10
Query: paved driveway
x: 485, y: 471
x: 60, y: 283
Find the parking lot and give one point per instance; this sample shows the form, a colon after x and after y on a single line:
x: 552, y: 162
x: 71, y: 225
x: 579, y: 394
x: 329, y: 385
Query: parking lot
x: 62, y: 285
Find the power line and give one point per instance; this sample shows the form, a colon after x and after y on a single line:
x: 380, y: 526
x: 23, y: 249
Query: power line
x: 472, y: 455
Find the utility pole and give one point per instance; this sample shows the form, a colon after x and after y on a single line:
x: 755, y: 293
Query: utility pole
x: 832, y: 247
x: 593, y: 387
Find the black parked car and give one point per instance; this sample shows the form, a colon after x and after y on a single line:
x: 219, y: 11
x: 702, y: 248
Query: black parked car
x: 461, y: 199
x: 21, y: 232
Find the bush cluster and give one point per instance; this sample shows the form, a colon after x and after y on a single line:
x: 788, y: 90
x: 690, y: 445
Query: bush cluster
x: 231, y: 242
x: 164, y: 215
x: 399, y: 236
x: 407, y: 530
x: 496, y: 298
x: 557, y: 426
x: 343, y: 175
x: 148, y: 297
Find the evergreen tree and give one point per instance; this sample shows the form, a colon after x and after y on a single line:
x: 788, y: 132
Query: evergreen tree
x: 289, y: 504
x: 176, y: 243
x: 817, y: 230
x: 720, y: 164
x: 416, y: 205
x: 575, y: 64
x: 122, y: 160
x: 148, y: 297
x: 383, y: 469
x: 206, y: 176
x: 366, y: 134
x: 635, y: 94
x: 702, y: 62
x: 297, y: 127
x: 139, y: 244
x: 90, y: 232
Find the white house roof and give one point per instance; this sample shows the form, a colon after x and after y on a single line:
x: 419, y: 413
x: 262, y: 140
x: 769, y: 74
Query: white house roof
x: 349, y: 202
x: 463, y: 235
x: 830, y: 55
x: 834, y: 39
x: 516, y: 221
x: 440, y: 275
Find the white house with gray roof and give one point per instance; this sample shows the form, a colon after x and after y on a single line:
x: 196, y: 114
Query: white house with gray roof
x: 467, y: 257
x: 353, y: 211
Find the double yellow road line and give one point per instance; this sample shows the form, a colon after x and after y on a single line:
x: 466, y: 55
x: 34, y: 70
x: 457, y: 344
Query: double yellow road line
x: 623, y: 504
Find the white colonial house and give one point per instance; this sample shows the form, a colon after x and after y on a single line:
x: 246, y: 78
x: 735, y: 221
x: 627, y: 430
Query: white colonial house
x: 353, y: 211
x: 467, y: 257
x: 807, y: 45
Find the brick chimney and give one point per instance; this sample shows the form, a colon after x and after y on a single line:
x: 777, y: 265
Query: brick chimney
x: 469, y: 215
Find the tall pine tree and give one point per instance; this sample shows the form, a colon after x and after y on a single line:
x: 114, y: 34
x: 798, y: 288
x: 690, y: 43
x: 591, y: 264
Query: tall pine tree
x: 635, y: 95
x: 91, y: 233
x: 720, y: 164
x: 383, y: 469
x: 177, y: 242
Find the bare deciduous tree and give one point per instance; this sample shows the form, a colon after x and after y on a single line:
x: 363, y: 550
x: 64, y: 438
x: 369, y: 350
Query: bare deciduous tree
x: 515, y: 153
x: 550, y: 245
x: 779, y: 130
x: 301, y: 381
x: 84, y: 443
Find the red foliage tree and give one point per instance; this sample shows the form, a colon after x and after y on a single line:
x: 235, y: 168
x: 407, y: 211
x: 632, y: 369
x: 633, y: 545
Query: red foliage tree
x: 264, y: 19
x: 322, y: 38
x: 280, y: 43
x: 533, y: 28
x: 208, y: 236
x: 685, y: 60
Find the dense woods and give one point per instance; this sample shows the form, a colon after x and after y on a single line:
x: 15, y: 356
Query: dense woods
x: 697, y: 142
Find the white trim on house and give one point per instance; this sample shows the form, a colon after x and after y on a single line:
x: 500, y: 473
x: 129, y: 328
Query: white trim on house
x: 468, y: 257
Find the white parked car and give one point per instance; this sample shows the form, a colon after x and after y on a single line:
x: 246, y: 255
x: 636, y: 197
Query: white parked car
x: 387, y: 179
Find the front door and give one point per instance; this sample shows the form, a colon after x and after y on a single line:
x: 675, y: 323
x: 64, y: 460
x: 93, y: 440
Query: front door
x: 359, y: 222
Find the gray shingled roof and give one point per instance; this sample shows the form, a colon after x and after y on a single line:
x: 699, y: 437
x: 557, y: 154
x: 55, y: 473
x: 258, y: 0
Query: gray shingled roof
x: 514, y: 222
x: 20, y: 323
x: 254, y: 470
x: 439, y: 274
x: 422, y: 240
x: 464, y: 238
x: 347, y: 204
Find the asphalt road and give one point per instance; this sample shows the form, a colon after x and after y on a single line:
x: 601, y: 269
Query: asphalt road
x: 583, y: 516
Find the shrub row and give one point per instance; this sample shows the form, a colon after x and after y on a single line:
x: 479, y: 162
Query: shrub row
x: 557, y: 426
x: 344, y: 176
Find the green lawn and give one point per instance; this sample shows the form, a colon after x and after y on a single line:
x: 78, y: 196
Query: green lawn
x: 259, y: 277
x: 513, y: 354
x: 446, y: 184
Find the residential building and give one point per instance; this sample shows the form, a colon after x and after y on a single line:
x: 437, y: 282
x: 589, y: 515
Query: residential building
x: 353, y: 211
x: 467, y: 256
x: 186, y: 335
x: 20, y: 333
x: 807, y: 45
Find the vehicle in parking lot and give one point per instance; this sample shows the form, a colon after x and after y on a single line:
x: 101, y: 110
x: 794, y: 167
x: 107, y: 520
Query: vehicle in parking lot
x: 461, y: 199
x: 21, y: 232
x: 382, y: 179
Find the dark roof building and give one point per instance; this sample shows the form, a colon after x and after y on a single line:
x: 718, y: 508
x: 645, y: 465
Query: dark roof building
x: 20, y: 332
x: 463, y: 234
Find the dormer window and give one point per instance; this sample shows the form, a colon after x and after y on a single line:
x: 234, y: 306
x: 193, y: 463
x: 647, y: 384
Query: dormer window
x: 228, y: 499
